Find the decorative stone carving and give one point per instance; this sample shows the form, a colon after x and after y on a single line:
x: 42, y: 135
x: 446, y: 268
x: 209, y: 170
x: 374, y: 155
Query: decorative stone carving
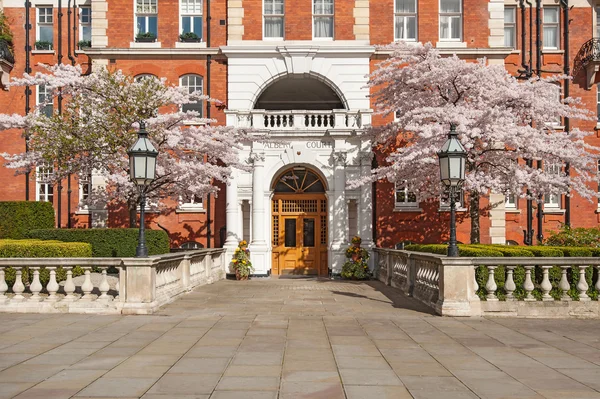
x: 339, y: 158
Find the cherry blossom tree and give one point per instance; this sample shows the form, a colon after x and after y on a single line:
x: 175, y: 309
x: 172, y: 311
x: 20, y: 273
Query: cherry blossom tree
x: 501, y: 122
x: 99, y: 122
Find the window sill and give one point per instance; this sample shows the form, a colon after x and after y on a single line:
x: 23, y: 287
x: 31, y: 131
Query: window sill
x: 408, y: 209
x: 597, y: 128
x: 198, y: 209
x: 190, y: 44
x: 83, y: 212
x: 42, y: 51
x: 515, y: 51
x: 552, y: 51
x: 447, y: 209
x: 193, y: 123
x: 554, y: 211
x: 451, y: 44
x: 512, y: 210
x: 555, y: 127
x: 144, y: 45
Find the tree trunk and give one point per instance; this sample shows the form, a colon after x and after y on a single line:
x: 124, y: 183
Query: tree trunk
x: 132, y: 215
x: 474, y: 215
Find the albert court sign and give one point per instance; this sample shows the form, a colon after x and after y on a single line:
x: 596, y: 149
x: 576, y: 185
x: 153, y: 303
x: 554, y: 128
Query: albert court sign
x: 308, y: 144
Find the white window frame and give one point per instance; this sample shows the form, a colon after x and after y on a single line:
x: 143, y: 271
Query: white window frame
x: 265, y: 16
x: 39, y: 101
x: 406, y: 204
x: 146, y: 12
x: 181, y: 79
x: 194, y: 13
x: 314, y: 16
x: 445, y: 205
x: 405, y: 16
x: 597, y: 30
x: 552, y: 201
x: 41, y: 175
x: 195, y: 205
x: 554, y: 25
x: 598, y: 101
x: 47, y: 17
x: 452, y: 16
x: 512, y: 201
x: 511, y: 25
x: 556, y: 124
x: 86, y: 24
x: 85, y: 180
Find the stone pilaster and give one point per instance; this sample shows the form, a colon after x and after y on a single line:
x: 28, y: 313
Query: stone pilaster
x: 497, y: 219
x: 99, y: 23
x: 361, y: 20
x: 496, y: 23
x: 235, y: 17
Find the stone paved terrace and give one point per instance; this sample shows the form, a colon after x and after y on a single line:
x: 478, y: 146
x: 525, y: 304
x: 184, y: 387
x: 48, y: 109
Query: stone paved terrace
x: 296, y: 339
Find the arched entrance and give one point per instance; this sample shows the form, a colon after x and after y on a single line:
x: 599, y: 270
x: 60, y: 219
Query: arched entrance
x: 299, y: 223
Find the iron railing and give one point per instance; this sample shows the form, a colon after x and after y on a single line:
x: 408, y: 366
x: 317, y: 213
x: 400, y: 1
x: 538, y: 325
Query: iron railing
x: 589, y: 52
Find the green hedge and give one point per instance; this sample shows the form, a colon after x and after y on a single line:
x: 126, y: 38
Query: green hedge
x: 42, y: 249
x: 108, y: 243
x: 555, y: 273
x: 18, y: 217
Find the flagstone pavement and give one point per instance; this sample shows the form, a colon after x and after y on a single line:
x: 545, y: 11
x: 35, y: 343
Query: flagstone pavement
x: 276, y: 338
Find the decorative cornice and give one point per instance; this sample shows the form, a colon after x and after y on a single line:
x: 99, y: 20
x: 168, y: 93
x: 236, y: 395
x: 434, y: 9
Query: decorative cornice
x: 245, y: 48
x: 502, y: 52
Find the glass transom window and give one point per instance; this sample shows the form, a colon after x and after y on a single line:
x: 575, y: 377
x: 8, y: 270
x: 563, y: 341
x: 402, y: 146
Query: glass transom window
x: 193, y: 83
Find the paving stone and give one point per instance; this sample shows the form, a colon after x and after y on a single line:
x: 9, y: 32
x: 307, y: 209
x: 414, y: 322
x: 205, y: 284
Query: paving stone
x: 244, y: 395
x: 376, y: 392
x: 187, y: 384
x: 215, y: 365
x: 118, y: 387
x: 362, y: 362
x: 248, y: 383
x: 369, y: 377
x: 11, y: 389
x: 316, y: 390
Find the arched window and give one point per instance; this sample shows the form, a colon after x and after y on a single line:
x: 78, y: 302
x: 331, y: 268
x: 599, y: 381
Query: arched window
x: 191, y: 245
x: 299, y: 180
x: 142, y: 76
x: 194, y: 84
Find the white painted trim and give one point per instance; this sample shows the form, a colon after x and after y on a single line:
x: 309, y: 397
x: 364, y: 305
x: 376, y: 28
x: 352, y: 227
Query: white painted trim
x: 146, y: 51
x: 321, y: 47
x: 145, y: 45
x: 42, y: 51
x: 416, y: 14
x: 451, y: 44
x: 312, y: 22
x: 462, y: 21
x: 36, y: 3
x: 262, y: 13
x: 188, y: 45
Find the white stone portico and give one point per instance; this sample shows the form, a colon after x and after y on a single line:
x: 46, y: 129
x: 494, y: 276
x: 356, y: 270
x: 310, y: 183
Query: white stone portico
x: 311, y: 102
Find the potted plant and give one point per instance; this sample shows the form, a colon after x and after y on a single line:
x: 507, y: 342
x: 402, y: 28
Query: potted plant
x: 145, y: 37
x: 43, y: 45
x: 190, y: 37
x: 241, y: 261
x: 84, y: 44
x: 356, y: 267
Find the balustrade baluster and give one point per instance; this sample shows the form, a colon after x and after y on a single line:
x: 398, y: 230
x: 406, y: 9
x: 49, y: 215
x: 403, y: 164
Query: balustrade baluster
x: 491, y: 286
x: 266, y: 120
x: 582, y: 285
x: 36, y: 286
x: 546, y: 286
x: 291, y: 118
x: 18, y: 287
x: 564, y: 285
x: 597, y: 278
x: 278, y: 120
x: 475, y: 284
x: 52, y: 286
x: 528, y: 284
x: 104, y: 286
x: 69, y: 285
x: 3, y: 286
x: 87, y: 285
x: 509, y: 285
x: 306, y: 121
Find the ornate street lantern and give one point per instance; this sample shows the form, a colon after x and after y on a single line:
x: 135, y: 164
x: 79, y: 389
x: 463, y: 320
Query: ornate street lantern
x: 142, y: 169
x: 452, y: 157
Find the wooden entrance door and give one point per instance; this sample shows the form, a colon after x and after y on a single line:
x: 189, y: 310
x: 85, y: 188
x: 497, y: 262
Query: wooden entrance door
x: 299, y: 228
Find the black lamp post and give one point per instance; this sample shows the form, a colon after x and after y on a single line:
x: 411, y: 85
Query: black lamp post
x: 142, y: 169
x: 452, y: 159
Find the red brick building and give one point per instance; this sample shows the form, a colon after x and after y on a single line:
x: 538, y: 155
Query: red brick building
x: 296, y: 69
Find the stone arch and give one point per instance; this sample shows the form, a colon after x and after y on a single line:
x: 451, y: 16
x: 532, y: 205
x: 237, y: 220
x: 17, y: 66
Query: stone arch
x: 312, y: 76
x: 276, y: 172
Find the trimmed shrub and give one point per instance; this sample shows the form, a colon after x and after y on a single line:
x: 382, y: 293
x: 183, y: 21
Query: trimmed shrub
x: 578, y: 237
x: 545, y: 252
x: 42, y: 249
x: 18, y: 217
x: 108, y: 243
x: 463, y: 250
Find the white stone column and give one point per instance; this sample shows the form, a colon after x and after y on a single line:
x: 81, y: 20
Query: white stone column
x: 234, y: 233
x: 339, y: 215
x: 258, y: 246
x: 365, y: 206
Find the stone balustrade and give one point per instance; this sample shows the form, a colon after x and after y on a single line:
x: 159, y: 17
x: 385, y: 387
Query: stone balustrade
x: 144, y: 284
x: 449, y: 285
x: 299, y: 119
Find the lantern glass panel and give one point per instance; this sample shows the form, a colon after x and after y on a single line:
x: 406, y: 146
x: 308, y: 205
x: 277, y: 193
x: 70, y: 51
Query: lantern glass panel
x: 151, y: 168
x: 444, y: 169
x: 140, y: 166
